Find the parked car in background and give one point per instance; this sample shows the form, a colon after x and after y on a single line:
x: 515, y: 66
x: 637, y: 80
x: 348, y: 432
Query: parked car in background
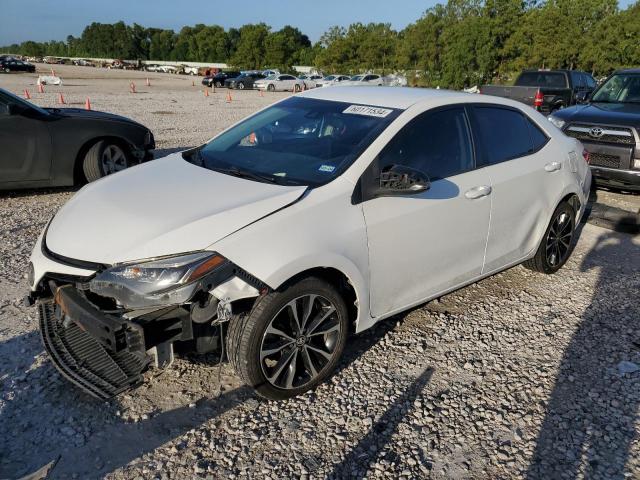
x: 187, y: 70
x: 81, y: 62
x: 332, y: 80
x: 368, y: 79
x: 152, y: 68
x: 12, y: 64
x: 44, y: 147
x: 269, y: 72
x: 219, y: 78
x: 310, y: 81
x: 230, y: 249
x: 280, y: 83
x: 546, y: 90
x: 244, y: 81
x: 608, y: 125
x: 167, y: 69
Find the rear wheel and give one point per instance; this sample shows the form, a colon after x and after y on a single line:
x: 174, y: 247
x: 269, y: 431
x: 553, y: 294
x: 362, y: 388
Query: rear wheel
x: 103, y: 158
x: 291, y: 340
x: 296, y: 88
x: 557, y: 243
x: 218, y: 84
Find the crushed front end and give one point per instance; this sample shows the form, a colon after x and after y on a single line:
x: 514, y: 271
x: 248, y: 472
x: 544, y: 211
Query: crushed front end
x: 103, y: 326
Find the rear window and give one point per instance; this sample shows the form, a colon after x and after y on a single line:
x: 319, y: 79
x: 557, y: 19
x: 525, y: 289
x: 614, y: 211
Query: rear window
x: 542, y: 79
x: 505, y: 134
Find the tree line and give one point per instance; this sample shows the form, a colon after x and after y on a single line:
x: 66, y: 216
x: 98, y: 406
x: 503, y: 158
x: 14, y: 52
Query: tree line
x: 454, y: 44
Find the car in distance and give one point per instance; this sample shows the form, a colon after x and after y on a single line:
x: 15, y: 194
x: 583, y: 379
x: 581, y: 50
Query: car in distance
x: 280, y: 83
x: 608, y: 125
x: 369, y: 79
x: 546, y: 90
x: 45, y: 147
x: 310, y: 81
x: 11, y: 64
x: 332, y: 80
x: 316, y: 217
x: 244, y: 81
x: 219, y: 78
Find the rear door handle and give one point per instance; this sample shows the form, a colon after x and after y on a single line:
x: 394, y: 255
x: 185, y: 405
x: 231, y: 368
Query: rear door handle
x: 553, y: 166
x: 477, y: 192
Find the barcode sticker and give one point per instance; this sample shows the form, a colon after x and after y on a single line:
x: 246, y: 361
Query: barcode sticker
x: 368, y: 111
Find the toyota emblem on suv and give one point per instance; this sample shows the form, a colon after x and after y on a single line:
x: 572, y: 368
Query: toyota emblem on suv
x: 596, y: 132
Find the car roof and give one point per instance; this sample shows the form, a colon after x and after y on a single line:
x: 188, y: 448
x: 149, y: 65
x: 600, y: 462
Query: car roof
x: 390, y: 97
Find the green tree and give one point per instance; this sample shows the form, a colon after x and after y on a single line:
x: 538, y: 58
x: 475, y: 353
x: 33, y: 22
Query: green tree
x: 250, y: 49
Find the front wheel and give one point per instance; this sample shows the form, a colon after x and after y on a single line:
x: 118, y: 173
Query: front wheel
x: 557, y: 243
x: 291, y: 340
x: 218, y: 84
x: 271, y: 87
x: 241, y: 86
x: 104, y: 158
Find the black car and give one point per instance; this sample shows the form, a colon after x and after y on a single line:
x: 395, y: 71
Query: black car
x: 608, y: 124
x: 43, y: 147
x: 545, y: 90
x: 219, y: 78
x: 246, y: 80
x: 11, y: 64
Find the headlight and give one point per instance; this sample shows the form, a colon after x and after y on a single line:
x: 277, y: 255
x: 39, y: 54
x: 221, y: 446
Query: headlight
x: 166, y: 281
x: 556, y: 121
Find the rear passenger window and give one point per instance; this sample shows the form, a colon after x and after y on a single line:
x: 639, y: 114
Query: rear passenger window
x: 538, y: 137
x: 504, y: 134
x: 436, y: 143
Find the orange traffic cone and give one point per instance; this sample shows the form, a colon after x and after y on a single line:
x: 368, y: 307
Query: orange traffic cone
x: 87, y: 104
x: 27, y: 95
x: 229, y: 99
x: 40, y: 88
x: 148, y: 82
x: 61, y: 99
x: 132, y: 87
x: 206, y: 92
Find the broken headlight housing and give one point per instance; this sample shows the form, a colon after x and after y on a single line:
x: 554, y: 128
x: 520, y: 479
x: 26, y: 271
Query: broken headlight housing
x: 157, y: 282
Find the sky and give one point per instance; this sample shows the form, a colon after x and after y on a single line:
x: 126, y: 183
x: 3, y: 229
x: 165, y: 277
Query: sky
x: 42, y: 20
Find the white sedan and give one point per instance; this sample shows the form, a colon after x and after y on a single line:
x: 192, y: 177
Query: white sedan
x: 369, y: 79
x: 320, y: 215
x: 281, y: 83
x: 330, y: 80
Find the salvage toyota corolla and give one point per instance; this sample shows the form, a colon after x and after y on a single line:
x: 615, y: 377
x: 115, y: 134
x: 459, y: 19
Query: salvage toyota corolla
x: 311, y: 219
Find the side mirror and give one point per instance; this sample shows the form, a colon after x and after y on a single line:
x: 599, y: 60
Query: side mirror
x: 401, y: 180
x: 582, y: 97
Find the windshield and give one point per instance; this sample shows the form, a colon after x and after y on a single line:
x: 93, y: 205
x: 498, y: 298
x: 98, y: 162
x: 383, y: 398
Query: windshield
x: 357, y: 78
x: 620, y: 88
x: 271, y: 77
x: 299, y: 141
x: 542, y: 79
x: 330, y: 77
x: 8, y: 98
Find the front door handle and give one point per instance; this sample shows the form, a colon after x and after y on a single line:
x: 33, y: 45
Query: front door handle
x: 477, y: 192
x: 553, y: 166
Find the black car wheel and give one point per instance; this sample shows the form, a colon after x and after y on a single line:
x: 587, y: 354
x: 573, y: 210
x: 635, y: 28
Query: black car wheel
x: 557, y: 243
x: 291, y: 340
x: 218, y: 84
x: 103, y: 158
x: 271, y: 87
x: 241, y: 85
x: 7, y: 70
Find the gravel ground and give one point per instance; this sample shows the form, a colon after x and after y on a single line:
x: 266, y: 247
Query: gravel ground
x: 521, y: 375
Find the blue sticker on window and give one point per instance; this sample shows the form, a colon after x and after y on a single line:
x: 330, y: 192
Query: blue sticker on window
x: 326, y: 168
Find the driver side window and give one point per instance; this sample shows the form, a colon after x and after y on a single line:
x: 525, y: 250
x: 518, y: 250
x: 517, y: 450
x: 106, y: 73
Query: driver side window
x: 436, y: 143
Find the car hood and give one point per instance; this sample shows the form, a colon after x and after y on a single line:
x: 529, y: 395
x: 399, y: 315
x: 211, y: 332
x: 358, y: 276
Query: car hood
x: 627, y: 114
x: 83, y: 114
x: 164, y: 207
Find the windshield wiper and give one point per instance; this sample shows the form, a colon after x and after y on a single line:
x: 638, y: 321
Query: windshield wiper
x: 236, y: 172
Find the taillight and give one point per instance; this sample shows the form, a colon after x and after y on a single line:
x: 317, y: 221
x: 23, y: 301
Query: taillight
x: 585, y: 155
x: 537, y: 100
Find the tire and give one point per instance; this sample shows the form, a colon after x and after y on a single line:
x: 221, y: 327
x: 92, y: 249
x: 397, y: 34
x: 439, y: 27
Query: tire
x: 7, y: 70
x: 218, y: 84
x: 543, y: 261
x: 296, y: 88
x: 94, y: 164
x: 271, y: 87
x: 241, y: 86
x: 270, y: 375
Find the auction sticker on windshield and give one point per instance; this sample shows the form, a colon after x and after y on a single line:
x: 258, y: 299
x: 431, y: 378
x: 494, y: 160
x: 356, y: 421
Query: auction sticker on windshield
x: 369, y: 111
